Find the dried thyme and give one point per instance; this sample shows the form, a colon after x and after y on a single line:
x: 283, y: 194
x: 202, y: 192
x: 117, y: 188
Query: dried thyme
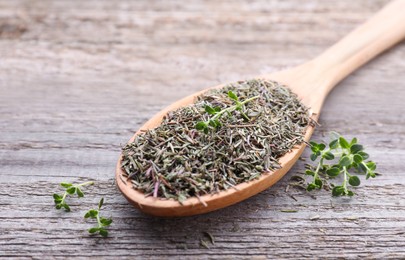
x: 178, y: 161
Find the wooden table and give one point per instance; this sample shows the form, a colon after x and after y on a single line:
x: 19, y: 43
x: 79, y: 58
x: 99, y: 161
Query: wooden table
x: 78, y: 78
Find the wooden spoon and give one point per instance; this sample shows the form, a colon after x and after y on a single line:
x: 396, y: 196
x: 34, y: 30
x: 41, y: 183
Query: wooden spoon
x: 311, y: 81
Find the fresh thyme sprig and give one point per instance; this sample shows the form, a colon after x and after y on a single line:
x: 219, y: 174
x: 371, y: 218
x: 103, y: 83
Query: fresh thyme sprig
x: 347, y: 156
x: 60, y: 200
x: 101, y: 221
x: 217, y: 112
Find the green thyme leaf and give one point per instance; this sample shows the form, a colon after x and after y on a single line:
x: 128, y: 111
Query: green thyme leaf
x: 106, y: 221
x: 79, y: 193
x: 334, y: 144
x: 66, y: 206
x: 318, y: 183
x: 333, y: 172
x: 363, y: 154
x: 353, y: 141
x: 354, y: 181
x: 232, y: 96
x: 321, y: 147
x: 314, y: 156
x: 328, y: 156
x: 103, y: 232
x: 355, y: 148
x: 201, y: 125
x: 309, y: 172
x: 71, y: 190
x: 343, y: 143
x: 65, y: 184
x: 93, y: 230
x: 345, y: 161
x: 338, y: 191
x: 311, y: 186
x: 357, y: 158
x: 210, y: 110
x: 371, y: 165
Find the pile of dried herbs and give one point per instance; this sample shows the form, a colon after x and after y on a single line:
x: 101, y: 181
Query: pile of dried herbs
x: 176, y: 160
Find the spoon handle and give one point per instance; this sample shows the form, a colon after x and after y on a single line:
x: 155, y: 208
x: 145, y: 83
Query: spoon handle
x: 382, y: 31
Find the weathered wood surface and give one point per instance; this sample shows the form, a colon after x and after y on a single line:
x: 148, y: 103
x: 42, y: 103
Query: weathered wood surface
x: 77, y: 78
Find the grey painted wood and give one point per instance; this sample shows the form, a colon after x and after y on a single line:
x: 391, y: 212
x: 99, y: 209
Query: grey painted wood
x: 77, y: 79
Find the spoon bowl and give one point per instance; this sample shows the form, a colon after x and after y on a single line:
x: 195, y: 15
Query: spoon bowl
x: 311, y: 81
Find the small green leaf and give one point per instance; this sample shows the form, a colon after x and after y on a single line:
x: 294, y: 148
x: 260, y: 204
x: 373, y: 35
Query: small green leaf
x: 66, y: 206
x: 364, y: 155
x: 350, y: 193
x: 357, y: 158
x: 309, y: 172
x: 212, y: 123
x: 66, y: 185
x: 370, y: 174
x: 210, y: 110
x: 371, y: 165
x: 91, y: 213
x: 338, y: 191
x: 323, y: 168
x: 217, y: 109
x: 101, y: 202
x: 362, y: 168
x: 314, y: 147
x: 79, y: 192
x: 333, y: 172
x: 71, y: 190
x: 345, y: 161
x: 57, y: 196
x: 103, y: 232
x: 353, y: 141
x: 328, y: 156
x: 206, y: 130
x: 311, y: 187
x: 232, y: 96
x: 106, y: 221
x: 93, y: 230
x: 318, y: 183
x: 58, y: 206
x: 201, y: 125
x: 314, y: 156
x: 334, y: 144
x: 321, y: 147
x: 355, y: 148
x: 354, y: 181
x: 343, y: 143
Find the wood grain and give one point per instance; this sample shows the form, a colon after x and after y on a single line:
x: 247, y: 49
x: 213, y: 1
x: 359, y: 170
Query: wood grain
x: 77, y: 79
